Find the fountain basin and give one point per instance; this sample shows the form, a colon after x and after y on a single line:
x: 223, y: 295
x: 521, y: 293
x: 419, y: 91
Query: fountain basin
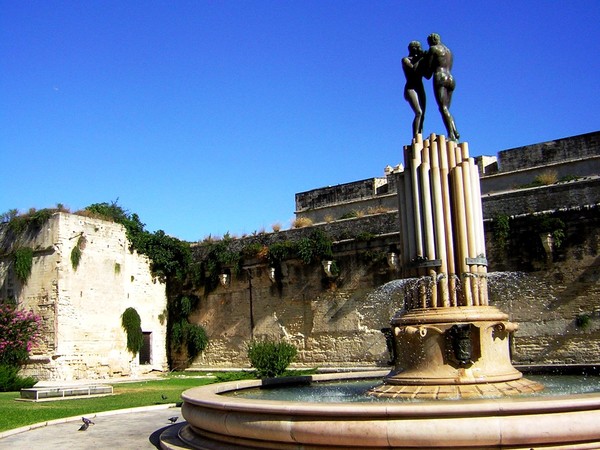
x: 218, y: 421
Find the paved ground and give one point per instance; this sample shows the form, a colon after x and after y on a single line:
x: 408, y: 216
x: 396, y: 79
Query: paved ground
x: 137, y: 428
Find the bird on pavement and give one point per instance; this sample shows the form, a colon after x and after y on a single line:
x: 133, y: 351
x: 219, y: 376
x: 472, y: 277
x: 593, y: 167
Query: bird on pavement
x: 83, y: 427
x: 173, y: 419
x: 87, y: 421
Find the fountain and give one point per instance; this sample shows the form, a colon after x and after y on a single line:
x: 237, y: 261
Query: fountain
x: 450, y: 342
x: 452, y: 349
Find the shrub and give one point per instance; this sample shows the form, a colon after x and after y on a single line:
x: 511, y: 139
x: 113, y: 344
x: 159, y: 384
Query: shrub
x: 315, y: 247
x: 132, y: 324
x: 19, y: 331
x: 11, y: 381
x: 270, y: 358
x: 349, y: 215
x: 280, y: 251
x: 546, y: 178
x: 377, y: 210
x: 302, y: 222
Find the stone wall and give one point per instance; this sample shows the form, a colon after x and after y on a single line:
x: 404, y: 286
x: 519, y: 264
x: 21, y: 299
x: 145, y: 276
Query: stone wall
x: 334, y: 321
x: 546, y: 292
x: 548, y: 153
x: 335, y: 202
x: 81, y: 308
x: 337, y: 321
x: 568, y: 158
x: 542, y: 198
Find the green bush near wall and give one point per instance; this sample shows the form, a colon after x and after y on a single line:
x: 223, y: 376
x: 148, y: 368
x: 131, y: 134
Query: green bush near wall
x: 270, y: 358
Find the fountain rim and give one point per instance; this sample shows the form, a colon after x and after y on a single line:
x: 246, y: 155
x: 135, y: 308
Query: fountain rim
x: 210, y: 396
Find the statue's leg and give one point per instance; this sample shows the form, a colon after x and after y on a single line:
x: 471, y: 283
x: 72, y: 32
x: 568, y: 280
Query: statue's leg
x: 413, y: 101
x: 443, y: 97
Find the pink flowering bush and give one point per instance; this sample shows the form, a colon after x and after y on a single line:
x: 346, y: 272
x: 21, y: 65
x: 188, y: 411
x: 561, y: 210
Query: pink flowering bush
x: 19, y: 332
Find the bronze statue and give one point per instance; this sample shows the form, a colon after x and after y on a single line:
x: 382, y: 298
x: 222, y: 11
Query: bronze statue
x: 414, y: 93
x: 438, y: 63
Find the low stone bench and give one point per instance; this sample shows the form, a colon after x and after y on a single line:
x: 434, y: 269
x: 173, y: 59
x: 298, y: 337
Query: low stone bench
x: 58, y: 393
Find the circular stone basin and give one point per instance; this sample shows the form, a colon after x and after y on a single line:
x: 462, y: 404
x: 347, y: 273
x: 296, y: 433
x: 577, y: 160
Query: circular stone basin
x: 216, y: 421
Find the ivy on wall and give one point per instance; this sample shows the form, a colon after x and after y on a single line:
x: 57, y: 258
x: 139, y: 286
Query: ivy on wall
x: 76, y: 252
x: 184, y: 336
x: 23, y: 260
x: 132, y: 324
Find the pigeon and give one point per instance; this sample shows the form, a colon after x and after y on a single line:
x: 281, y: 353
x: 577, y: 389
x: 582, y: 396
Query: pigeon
x: 83, y: 427
x: 87, y: 421
x: 164, y: 397
x: 173, y: 419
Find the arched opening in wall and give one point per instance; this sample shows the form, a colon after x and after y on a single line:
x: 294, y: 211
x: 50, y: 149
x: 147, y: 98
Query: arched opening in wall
x: 146, y: 350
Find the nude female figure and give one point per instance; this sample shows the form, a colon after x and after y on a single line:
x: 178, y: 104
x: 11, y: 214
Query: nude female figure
x: 414, y: 93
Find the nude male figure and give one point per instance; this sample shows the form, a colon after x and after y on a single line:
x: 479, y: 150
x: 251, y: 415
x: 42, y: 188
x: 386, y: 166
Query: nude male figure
x: 439, y: 64
x: 414, y: 93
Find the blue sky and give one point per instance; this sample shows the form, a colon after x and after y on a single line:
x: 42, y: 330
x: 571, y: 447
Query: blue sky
x: 206, y: 117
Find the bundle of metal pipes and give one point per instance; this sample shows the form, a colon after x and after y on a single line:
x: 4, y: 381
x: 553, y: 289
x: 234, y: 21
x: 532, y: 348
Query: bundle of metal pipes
x: 441, y: 218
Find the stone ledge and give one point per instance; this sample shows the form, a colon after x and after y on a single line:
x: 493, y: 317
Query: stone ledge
x: 40, y: 394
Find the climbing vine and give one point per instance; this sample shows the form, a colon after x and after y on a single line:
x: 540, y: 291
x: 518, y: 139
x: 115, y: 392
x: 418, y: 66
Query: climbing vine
x: 185, y: 336
x: 501, y: 231
x: 23, y: 260
x: 132, y: 324
x: 77, y: 252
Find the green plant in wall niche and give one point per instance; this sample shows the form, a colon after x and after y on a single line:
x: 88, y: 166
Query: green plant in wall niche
x: 132, y: 324
x: 552, y: 225
x: 23, y: 260
x: 501, y: 231
x: 583, y: 321
x: 77, y: 252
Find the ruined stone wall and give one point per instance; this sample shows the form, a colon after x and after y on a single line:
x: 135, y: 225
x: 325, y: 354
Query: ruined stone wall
x: 81, y: 308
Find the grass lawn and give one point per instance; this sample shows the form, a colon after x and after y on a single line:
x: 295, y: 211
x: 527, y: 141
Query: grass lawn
x: 14, y: 414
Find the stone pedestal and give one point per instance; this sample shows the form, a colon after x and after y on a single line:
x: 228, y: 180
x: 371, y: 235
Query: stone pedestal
x: 448, y: 341
x: 460, y: 352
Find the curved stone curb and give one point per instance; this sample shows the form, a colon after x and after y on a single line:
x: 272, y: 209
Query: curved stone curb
x: 78, y: 418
